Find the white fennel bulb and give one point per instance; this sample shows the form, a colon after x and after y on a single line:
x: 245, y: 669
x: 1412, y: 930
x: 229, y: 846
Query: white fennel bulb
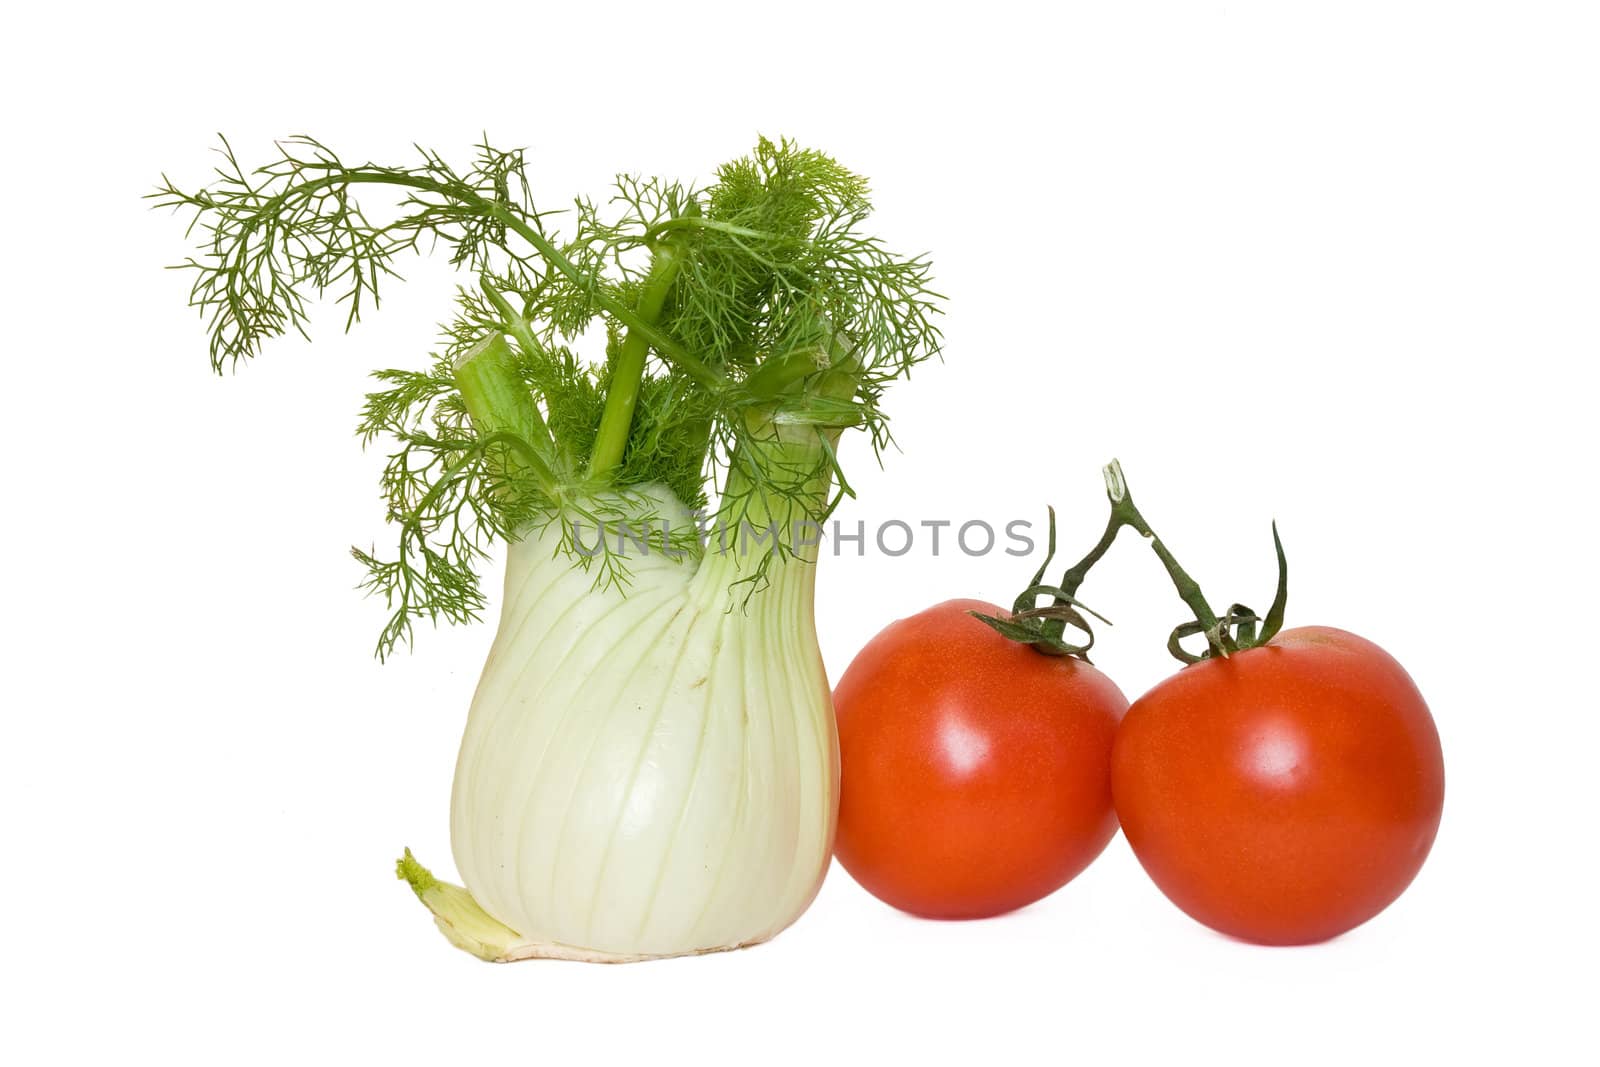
x: 650, y: 771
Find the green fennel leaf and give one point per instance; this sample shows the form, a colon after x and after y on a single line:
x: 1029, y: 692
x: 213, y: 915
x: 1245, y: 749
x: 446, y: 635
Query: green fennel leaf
x: 738, y: 319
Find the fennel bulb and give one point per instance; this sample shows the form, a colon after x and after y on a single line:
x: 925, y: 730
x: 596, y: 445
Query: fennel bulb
x: 649, y: 766
x: 646, y: 773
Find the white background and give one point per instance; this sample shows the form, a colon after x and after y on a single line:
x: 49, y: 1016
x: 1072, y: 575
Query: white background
x: 1334, y: 264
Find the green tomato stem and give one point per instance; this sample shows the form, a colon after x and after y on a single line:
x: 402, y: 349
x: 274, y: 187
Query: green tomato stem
x: 1229, y: 633
x: 1124, y: 513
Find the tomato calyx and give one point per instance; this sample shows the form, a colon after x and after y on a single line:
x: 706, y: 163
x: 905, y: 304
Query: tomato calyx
x: 1044, y: 627
x: 1235, y: 630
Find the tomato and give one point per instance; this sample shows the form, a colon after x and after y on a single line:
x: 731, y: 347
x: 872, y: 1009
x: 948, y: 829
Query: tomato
x: 975, y: 772
x: 1285, y: 794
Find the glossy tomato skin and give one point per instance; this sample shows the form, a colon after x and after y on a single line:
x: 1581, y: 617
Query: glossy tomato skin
x: 975, y: 772
x: 1286, y: 794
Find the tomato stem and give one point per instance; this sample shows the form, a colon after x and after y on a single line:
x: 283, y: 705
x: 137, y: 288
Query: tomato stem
x: 1044, y: 628
x: 1234, y: 631
x: 1124, y: 513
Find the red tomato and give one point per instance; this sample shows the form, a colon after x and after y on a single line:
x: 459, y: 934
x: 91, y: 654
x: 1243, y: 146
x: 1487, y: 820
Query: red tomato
x: 975, y: 772
x: 1285, y: 794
